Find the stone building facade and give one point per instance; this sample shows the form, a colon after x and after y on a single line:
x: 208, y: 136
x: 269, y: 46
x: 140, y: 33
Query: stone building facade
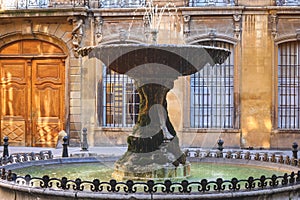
x: 47, y: 86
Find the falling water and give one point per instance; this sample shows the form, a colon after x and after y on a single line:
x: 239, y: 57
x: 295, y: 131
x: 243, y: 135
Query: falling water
x: 160, y: 19
x: 163, y: 20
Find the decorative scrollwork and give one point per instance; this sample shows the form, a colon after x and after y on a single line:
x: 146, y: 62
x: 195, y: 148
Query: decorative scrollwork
x: 77, y: 33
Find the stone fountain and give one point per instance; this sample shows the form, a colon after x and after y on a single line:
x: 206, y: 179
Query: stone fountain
x: 153, y: 147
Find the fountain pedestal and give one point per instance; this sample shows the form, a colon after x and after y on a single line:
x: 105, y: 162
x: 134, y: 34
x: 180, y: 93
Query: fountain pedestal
x: 153, y: 147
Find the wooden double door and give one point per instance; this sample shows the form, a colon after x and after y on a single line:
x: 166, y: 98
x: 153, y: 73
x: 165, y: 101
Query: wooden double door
x: 32, y: 100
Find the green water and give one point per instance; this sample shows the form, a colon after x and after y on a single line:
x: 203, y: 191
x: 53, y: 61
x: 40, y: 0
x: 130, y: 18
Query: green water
x: 103, y: 171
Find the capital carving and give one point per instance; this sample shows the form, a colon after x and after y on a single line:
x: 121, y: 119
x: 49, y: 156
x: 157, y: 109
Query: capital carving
x: 122, y: 35
x: 237, y: 25
x: 186, y: 25
x: 274, y: 22
x: 298, y: 34
x: 98, y: 28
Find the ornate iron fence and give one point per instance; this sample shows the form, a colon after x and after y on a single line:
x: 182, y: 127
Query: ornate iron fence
x: 112, y: 186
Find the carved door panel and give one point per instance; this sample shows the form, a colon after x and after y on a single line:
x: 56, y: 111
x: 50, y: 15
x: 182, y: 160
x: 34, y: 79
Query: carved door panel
x: 14, y: 100
x: 32, y: 101
x: 47, y: 101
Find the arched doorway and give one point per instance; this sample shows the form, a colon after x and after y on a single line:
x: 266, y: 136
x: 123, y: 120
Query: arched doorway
x: 32, y: 93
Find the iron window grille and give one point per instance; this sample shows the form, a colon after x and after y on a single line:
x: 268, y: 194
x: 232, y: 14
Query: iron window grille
x: 212, y: 93
x: 119, y: 102
x: 288, y: 86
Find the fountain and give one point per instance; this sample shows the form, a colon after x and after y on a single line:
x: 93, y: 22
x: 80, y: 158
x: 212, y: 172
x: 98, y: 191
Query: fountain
x: 153, y: 154
x: 153, y: 147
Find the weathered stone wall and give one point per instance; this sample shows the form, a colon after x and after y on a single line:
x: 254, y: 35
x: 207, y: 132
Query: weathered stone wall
x: 256, y: 88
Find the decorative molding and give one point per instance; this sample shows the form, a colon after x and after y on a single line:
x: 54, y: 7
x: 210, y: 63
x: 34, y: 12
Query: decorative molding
x: 212, y: 34
x: 274, y: 22
x: 77, y: 33
x: 186, y: 25
x: 298, y: 34
x: 147, y: 30
x: 98, y: 28
x: 287, y: 37
x: 122, y: 35
x: 204, y: 37
x: 237, y: 25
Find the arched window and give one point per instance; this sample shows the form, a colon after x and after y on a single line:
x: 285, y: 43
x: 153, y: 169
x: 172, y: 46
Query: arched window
x: 288, y: 85
x: 212, y: 93
x: 119, y: 107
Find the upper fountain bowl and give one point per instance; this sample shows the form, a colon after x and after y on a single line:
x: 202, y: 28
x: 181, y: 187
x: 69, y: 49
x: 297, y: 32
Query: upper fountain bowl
x: 184, y: 59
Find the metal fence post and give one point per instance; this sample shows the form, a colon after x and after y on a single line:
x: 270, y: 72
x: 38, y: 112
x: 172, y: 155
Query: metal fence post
x: 84, y: 144
x: 5, y: 147
x: 65, y: 147
x: 295, y: 150
x: 220, y: 145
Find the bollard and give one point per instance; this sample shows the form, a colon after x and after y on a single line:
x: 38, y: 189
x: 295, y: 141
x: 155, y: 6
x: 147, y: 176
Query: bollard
x: 295, y: 150
x: 84, y: 144
x: 5, y: 147
x: 65, y: 147
x: 220, y: 145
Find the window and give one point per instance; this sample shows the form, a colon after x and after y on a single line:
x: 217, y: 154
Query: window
x: 288, y: 86
x: 212, y: 99
x: 120, y: 102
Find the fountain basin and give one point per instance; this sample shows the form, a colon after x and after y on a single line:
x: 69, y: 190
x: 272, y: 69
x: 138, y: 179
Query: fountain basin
x: 102, y: 169
x: 287, y: 186
x: 184, y: 59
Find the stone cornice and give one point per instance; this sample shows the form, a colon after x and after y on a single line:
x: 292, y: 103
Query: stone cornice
x: 129, y: 12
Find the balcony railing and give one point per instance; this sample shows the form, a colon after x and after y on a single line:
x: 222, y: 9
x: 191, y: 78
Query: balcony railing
x: 287, y: 2
x: 23, y: 4
x: 121, y: 3
x: 28, y: 4
x: 199, y: 3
